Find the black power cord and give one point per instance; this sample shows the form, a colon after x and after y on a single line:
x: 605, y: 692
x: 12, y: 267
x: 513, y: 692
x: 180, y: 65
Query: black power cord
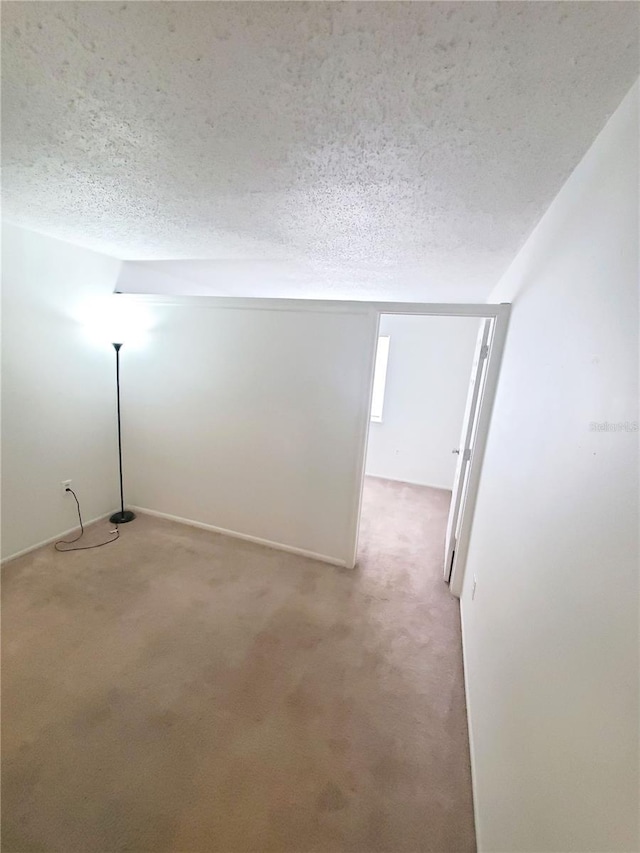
x: 83, y: 547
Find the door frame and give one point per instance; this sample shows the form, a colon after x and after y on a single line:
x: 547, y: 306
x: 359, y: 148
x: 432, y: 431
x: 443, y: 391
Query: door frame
x: 467, y: 441
x: 499, y: 315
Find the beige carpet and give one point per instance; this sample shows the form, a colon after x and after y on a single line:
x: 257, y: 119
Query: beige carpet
x: 183, y: 691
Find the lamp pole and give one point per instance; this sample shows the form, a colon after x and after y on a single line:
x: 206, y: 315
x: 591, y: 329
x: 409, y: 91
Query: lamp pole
x: 124, y: 515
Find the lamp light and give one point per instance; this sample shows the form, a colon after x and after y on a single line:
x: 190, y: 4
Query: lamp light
x: 116, y: 318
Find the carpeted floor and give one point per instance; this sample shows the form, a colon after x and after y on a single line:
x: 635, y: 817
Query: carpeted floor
x: 184, y: 691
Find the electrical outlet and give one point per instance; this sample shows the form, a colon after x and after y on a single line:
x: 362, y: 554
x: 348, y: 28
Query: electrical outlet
x: 66, y: 484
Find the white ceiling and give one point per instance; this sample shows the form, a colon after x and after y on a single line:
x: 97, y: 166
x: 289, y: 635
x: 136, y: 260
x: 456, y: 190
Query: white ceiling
x: 340, y: 150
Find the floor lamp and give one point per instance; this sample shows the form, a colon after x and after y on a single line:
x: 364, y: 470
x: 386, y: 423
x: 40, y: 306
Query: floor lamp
x: 124, y: 515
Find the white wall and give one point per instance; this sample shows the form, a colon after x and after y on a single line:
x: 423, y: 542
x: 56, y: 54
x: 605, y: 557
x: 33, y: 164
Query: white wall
x: 427, y: 381
x: 251, y: 420
x: 58, y: 399
x: 551, y: 638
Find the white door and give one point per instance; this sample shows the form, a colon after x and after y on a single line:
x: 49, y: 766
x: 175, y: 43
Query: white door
x: 465, y: 448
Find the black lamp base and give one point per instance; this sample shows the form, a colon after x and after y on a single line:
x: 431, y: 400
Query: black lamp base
x: 122, y: 517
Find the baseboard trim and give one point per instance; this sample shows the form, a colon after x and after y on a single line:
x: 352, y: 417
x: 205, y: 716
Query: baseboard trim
x: 54, y: 538
x: 256, y: 540
x: 472, y: 752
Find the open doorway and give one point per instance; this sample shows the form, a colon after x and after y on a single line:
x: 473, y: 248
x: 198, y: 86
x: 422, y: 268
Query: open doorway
x: 432, y: 390
x: 420, y: 390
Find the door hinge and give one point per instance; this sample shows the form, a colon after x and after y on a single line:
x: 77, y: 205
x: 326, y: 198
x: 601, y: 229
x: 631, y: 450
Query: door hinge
x: 466, y: 455
x: 484, y: 351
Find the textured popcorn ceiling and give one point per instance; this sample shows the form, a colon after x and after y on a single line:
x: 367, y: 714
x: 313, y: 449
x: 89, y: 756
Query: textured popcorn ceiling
x: 359, y: 150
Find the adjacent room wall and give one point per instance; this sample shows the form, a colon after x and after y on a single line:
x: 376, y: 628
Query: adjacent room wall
x: 58, y: 398
x: 252, y: 421
x: 427, y: 381
x: 551, y: 637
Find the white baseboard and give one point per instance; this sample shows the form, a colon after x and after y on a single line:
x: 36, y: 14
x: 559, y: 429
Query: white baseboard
x: 54, y: 538
x: 278, y: 546
x: 472, y: 752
